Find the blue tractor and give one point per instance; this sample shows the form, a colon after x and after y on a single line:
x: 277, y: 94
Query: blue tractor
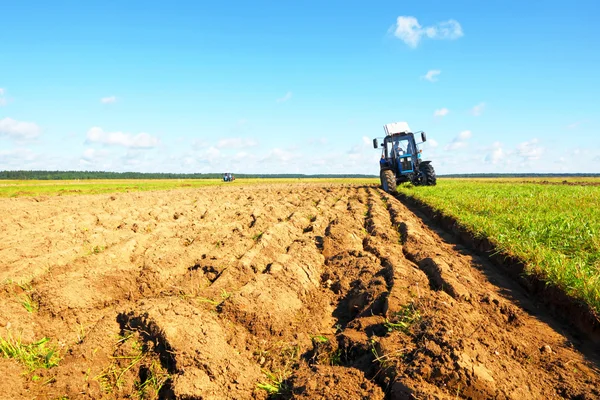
x: 401, y: 159
x: 228, y: 177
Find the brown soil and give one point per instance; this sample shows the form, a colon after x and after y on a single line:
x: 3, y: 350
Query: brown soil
x: 320, y: 291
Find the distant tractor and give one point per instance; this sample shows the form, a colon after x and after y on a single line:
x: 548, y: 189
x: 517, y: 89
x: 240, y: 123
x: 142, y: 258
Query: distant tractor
x: 401, y: 159
x: 228, y: 177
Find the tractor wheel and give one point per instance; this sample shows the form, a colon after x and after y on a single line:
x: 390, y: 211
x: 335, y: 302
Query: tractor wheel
x: 388, y: 181
x: 428, y: 174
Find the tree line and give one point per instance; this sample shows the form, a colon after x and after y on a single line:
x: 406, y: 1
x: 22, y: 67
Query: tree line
x: 72, y: 175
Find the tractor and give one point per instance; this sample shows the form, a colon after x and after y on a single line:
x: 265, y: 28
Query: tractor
x: 228, y: 177
x: 401, y: 159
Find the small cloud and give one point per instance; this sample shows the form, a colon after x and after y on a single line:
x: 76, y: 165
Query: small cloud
x: 432, y: 143
x: 141, y: 140
x: 530, y: 150
x: 108, y: 100
x: 410, y: 31
x: 459, y: 141
x: 496, y: 154
x: 19, y: 130
x: 478, y: 109
x: 236, y: 143
x: 442, y: 112
x: 1, y: 91
x: 431, y: 75
x: 464, y: 135
x: 285, y: 98
x: 279, y: 155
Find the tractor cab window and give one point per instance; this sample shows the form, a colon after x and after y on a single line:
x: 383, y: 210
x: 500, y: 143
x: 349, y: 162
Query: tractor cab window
x: 402, y: 148
x: 389, y: 148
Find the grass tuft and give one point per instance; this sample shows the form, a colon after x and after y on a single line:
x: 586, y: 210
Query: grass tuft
x: 403, y: 319
x: 33, y: 356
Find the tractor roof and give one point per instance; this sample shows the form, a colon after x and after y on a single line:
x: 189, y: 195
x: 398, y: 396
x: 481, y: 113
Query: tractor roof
x: 396, y: 128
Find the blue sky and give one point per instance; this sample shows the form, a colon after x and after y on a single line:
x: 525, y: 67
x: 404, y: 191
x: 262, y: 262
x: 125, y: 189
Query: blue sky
x: 298, y: 86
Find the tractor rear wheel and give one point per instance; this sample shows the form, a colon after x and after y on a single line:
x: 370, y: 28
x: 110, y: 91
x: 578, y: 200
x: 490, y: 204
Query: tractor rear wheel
x: 428, y: 174
x: 388, y: 181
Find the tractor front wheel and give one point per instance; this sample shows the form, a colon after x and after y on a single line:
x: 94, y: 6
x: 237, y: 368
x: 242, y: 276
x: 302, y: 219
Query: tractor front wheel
x: 388, y: 181
x: 428, y: 174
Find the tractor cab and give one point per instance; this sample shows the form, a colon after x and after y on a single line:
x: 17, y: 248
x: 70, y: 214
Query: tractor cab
x: 400, y: 150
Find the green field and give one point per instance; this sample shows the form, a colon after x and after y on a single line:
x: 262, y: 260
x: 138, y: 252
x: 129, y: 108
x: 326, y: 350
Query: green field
x: 555, y: 229
x: 10, y: 188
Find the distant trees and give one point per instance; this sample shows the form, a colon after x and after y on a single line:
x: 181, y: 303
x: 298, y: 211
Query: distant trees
x: 71, y: 175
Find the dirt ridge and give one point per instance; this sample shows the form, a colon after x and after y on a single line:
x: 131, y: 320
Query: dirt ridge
x: 570, y: 310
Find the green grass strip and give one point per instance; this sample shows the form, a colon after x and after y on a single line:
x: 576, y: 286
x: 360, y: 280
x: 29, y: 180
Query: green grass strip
x: 554, y: 229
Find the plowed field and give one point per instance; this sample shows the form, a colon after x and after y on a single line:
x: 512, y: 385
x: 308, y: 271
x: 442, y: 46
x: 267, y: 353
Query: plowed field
x: 314, y: 291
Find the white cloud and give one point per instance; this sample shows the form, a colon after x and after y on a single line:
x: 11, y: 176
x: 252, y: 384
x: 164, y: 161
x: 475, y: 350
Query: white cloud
x: 141, y: 140
x: 18, y: 130
x: 464, y: 135
x: 280, y: 156
x: 236, y: 143
x: 1, y: 91
x: 108, y: 100
x: 459, y: 141
x: 442, y: 112
x: 530, y: 150
x: 478, y: 109
x: 496, y: 154
x: 432, y: 143
x: 285, y: 98
x: 411, y: 32
x: 91, y: 156
x: 16, y: 157
x: 431, y: 75
x: 211, y: 154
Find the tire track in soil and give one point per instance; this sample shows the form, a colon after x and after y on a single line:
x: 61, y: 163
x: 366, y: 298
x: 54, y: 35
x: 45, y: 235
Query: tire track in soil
x: 223, y: 285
